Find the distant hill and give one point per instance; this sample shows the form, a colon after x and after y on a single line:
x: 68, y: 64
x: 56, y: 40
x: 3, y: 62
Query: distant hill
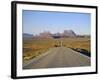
x: 49, y: 35
x: 85, y: 36
x: 45, y: 34
x: 56, y: 35
x: 27, y: 36
x: 69, y: 33
x: 66, y: 33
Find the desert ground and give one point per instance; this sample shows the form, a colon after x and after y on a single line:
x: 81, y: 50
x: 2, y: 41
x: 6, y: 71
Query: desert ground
x: 34, y: 49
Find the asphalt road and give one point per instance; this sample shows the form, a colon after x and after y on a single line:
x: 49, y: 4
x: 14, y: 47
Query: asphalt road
x: 58, y: 57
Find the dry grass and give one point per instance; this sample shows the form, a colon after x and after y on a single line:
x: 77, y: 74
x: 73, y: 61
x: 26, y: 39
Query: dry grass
x: 83, y: 43
x: 35, y: 47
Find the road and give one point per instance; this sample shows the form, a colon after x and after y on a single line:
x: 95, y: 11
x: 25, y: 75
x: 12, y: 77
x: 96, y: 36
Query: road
x: 59, y: 57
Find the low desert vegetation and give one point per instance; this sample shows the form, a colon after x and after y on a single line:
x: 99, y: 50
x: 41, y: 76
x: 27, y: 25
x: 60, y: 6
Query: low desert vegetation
x: 35, y: 47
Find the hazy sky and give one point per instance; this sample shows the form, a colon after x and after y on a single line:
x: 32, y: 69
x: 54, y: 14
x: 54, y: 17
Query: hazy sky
x: 35, y: 22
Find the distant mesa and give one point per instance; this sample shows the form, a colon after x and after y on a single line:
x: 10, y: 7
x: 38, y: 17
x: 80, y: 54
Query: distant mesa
x: 49, y: 35
x: 45, y: 35
x: 66, y: 33
x: 57, y: 35
x: 69, y: 33
x: 27, y: 36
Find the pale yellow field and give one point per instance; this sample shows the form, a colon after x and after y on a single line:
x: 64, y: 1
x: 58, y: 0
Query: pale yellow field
x: 34, y: 47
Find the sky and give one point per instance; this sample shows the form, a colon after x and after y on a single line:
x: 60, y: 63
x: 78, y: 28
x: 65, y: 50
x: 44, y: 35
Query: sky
x: 35, y: 22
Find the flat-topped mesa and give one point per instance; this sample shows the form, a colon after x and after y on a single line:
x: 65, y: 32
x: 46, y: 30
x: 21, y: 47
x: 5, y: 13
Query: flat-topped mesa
x: 27, y: 36
x: 66, y: 33
x: 45, y: 35
x: 69, y: 33
x: 49, y: 35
